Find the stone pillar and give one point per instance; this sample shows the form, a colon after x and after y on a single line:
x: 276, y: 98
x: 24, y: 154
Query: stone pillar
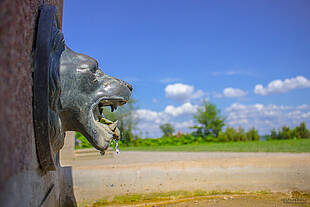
x: 67, y: 152
x: 21, y: 181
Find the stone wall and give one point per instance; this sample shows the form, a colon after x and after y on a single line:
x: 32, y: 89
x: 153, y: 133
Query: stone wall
x: 21, y: 182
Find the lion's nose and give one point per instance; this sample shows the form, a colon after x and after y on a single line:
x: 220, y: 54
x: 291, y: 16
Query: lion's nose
x: 129, y: 86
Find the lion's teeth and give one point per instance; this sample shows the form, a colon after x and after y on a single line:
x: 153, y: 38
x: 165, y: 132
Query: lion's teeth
x: 113, y: 125
x: 116, y: 134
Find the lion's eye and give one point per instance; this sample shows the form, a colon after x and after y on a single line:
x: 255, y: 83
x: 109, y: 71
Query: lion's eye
x: 93, y: 68
x: 85, y: 67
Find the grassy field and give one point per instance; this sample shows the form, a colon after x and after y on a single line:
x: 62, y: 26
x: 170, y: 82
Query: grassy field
x: 299, y: 145
x: 168, y: 197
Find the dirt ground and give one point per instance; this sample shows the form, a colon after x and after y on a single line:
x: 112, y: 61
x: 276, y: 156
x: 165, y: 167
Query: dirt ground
x: 268, y: 200
x: 96, y: 176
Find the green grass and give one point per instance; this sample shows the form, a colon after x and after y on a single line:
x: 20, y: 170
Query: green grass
x: 165, y: 198
x: 298, y: 145
x: 157, y: 197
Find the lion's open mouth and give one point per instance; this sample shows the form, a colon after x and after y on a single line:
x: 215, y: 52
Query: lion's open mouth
x: 85, y: 89
x: 105, y: 124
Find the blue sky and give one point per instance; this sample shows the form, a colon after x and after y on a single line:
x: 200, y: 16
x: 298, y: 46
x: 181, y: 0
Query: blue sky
x: 177, y: 53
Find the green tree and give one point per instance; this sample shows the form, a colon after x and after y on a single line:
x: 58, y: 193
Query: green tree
x: 222, y: 137
x: 127, y: 120
x: 302, y: 131
x: 231, y: 134
x: 167, y: 129
x: 284, y: 133
x: 252, y: 135
x: 209, y: 119
x: 274, y: 134
x: 241, y: 135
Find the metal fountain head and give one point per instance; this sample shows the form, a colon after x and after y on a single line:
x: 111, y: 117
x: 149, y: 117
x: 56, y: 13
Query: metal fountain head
x: 85, y: 91
x: 69, y: 91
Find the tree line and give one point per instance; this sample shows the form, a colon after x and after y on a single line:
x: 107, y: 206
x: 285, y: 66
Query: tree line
x: 285, y: 132
x: 210, y: 127
x: 210, y: 124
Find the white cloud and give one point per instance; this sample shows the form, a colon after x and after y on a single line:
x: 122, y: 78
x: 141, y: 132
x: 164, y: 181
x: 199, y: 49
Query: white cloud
x: 184, y: 125
x: 266, y: 117
x: 181, y: 92
x: 217, y: 95
x: 304, y: 107
x: 198, y: 94
x: 148, y: 130
x: 234, y: 92
x: 151, y: 116
x: 279, y: 86
x: 149, y: 121
x: 230, y: 93
x: 186, y: 108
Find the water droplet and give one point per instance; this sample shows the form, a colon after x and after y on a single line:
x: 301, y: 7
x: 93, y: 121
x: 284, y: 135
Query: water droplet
x: 116, y: 147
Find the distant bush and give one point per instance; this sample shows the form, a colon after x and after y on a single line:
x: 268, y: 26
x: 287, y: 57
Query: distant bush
x: 299, y: 132
x: 233, y: 135
x: 229, y: 135
x: 172, y: 140
x: 167, y: 129
x: 252, y: 135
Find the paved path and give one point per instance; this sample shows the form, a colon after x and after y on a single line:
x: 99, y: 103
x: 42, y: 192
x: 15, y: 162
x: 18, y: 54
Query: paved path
x: 96, y: 176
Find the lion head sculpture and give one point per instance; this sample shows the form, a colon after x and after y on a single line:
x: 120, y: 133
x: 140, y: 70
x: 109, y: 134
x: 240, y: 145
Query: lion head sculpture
x: 85, y: 89
x: 69, y: 92
x: 77, y: 93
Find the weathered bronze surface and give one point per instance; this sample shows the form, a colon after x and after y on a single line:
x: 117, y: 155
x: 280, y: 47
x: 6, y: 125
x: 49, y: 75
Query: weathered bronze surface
x: 85, y: 89
x: 69, y: 92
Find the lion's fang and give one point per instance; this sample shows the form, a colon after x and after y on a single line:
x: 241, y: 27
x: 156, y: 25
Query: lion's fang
x: 113, y: 125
